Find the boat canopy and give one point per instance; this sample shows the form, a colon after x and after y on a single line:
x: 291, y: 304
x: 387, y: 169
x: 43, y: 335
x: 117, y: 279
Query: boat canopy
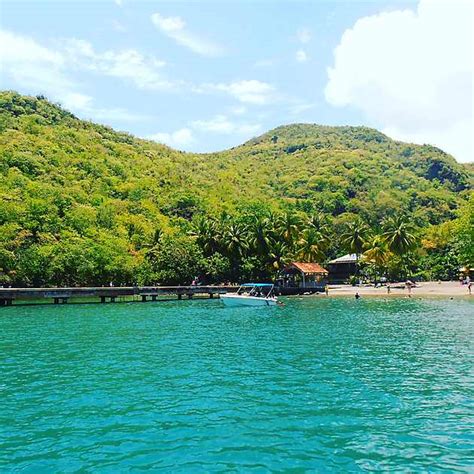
x: 251, y: 285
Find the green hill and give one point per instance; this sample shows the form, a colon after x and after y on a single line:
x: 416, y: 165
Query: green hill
x: 83, y: 204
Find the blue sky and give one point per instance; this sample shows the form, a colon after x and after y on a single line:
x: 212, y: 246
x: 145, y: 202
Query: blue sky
x: 204, y: 76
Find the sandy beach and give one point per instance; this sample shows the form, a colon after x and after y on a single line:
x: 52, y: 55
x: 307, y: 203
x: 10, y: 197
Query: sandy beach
x: 425, y: 289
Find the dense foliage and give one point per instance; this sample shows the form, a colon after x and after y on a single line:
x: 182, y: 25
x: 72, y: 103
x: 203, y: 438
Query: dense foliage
x: 82, y: 204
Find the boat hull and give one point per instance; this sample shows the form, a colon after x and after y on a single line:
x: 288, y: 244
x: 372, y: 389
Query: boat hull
x: 241, y: 300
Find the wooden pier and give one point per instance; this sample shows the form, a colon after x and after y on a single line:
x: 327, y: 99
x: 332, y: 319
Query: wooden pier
x: 108, y: 294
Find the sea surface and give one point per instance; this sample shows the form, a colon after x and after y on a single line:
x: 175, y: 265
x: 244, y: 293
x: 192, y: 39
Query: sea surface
x: 319, y: 385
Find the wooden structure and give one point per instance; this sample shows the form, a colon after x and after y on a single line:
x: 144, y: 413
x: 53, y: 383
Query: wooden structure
x: 109, y: 294
x: 342, y: 268
x: 301, y: 277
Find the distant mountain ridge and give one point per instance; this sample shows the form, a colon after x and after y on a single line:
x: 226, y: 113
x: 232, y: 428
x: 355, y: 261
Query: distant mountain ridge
x: 425, y: 160
x: 64, y: 178
x: 297, y: 161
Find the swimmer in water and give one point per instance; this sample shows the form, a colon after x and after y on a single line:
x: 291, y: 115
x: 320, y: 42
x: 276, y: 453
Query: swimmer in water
x: 357, y: 296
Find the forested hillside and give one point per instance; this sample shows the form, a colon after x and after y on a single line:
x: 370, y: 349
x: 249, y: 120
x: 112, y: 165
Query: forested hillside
x: 83, y: 204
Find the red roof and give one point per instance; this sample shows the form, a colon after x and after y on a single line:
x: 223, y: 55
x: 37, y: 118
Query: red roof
x: 308, y: 267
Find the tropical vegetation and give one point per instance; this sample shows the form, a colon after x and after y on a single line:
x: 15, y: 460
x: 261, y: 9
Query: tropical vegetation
x: 82, y: 204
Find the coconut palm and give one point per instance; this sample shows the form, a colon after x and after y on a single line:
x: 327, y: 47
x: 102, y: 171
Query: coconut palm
x: 311, y: 246
x: 399, y: 234
x: 319, y: 221
x: 354, y: 238
x: 278, y: 254
x: 206, y: 233
x: 288, y: 227
x: 271, y: 221
x: 377, y: 254
x: 234, y: 240
x: 259, y: 236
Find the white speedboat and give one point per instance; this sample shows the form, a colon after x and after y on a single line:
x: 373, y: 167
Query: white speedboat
x: 251, y: 294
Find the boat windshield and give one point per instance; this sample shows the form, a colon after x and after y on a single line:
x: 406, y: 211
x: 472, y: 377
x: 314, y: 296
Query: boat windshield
x: 262, y: 290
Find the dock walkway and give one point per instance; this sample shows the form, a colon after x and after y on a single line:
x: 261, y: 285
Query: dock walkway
x: 108, y: 294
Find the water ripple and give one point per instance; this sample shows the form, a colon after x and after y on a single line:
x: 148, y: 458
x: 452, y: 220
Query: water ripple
x: 320, y: 385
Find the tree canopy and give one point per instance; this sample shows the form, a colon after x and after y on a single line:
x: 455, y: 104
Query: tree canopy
x: 83, y: 204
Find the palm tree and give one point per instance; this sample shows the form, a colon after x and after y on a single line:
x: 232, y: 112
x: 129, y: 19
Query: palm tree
x: 271, y: 221
x: 234, y: 243
x: 259, y: 236
x: 354, y: 238
x: 206, y: 233
x: 311, y: 246
x: 278, y: 254
x: 234, y: 240
x: 319, y: 221
x: 288, y: 227
x: 400, y: 237
x: 377, y: 254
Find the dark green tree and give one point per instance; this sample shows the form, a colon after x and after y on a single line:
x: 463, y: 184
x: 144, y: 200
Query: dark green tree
x: 400, y: 236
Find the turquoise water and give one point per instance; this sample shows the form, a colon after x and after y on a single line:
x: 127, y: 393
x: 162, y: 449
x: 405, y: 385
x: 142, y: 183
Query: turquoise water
x: 319, y: 385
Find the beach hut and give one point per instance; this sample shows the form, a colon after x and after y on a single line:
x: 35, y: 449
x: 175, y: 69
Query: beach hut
x: 342, y: 268
x: 301, y: 277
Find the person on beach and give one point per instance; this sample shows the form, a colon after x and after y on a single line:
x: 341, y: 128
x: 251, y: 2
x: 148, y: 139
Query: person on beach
x: 409, y: 285
x: 388, y: 289
x: 469, y: 287
x: 326, y: 290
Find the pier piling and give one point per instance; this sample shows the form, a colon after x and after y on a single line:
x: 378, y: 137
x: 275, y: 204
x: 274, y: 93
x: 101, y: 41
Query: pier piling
x: 107, y: 294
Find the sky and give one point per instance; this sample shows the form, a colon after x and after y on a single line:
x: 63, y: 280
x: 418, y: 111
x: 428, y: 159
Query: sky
x: 208, y: 75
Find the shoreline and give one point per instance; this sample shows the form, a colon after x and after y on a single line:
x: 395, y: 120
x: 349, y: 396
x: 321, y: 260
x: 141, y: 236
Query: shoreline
x: 444, y: 289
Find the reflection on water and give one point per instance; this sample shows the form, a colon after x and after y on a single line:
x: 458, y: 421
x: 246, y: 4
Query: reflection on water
x: 320, y: 384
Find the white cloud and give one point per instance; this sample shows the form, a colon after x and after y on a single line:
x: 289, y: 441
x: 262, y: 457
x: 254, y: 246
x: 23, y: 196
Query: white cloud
x: 301, y: 56
x: 42, y: 70
x: 32, y: 66
x: 52, y: 70
x: 221, y: 124
x: 76, y: 101
x: 179, y: 139
x: 411, y: 73
x: 119, y: 3
x: 247, y: 91
x: 20, y: 49
x: 175, y: 28
x: 128, y: 64
x: 218, y: 124
x: 303, y: 35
